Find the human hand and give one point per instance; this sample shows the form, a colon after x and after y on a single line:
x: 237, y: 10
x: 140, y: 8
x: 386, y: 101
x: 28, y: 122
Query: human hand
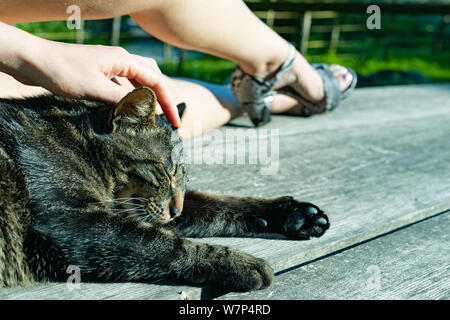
x: 89, y: 71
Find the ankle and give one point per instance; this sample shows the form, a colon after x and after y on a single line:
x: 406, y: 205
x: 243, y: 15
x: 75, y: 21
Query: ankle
x: 267, y: 67
x: 264, y: 70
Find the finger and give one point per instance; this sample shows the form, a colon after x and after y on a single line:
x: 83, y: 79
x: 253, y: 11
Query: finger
x: 149, y: 61
x: 146, y: 75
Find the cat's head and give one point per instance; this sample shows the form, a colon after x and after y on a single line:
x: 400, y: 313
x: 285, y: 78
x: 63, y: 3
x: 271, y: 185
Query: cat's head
x: 149, y: 174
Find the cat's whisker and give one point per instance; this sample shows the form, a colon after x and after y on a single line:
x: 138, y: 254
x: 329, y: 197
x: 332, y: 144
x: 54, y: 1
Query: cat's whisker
x: 137, y: 214
x: 131, y: 199
x: 127, y: 201
x: 130, y: 204
x: 125, y: 210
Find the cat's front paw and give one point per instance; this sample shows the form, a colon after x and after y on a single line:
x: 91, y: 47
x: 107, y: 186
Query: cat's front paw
x: 243, y: 272
x: 300, y: 220
x: 232, y: 270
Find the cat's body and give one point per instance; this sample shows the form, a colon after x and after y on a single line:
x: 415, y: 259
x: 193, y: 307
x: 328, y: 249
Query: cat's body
x: 99, y: 186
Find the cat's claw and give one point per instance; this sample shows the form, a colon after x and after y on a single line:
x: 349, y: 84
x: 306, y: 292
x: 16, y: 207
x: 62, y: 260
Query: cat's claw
x: 302, y: 220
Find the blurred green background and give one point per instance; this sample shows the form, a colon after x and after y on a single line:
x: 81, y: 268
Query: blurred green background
x: 412, y: 45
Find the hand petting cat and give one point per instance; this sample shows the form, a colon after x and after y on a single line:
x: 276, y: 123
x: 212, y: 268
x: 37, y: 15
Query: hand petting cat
x: 81, y: 71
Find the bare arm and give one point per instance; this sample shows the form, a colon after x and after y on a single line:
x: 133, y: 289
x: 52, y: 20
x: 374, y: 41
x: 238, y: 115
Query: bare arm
x: 82, y: 71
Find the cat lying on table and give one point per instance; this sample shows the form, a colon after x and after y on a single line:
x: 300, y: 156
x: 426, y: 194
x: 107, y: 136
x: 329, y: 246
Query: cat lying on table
x: 94, y: 185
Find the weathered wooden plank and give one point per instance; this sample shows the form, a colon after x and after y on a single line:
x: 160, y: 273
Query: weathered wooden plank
x: 378, y: 162
x: 412, y: 263
x: 96, y: 291
x: 366, y: 107
x: 370, y: 179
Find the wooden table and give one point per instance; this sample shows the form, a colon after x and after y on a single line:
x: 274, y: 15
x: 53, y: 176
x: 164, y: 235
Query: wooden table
x: 377, y: 164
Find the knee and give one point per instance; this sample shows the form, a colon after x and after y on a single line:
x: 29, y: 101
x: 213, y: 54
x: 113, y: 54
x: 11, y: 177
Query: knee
x: 105, y: 9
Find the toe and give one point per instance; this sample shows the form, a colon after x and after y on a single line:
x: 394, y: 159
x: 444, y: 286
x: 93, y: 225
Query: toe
x: 312, y: 211
x: 343, y: 76
x: 347, y: 80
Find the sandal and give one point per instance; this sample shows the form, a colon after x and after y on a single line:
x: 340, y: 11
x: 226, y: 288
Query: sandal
x: 256, y: 94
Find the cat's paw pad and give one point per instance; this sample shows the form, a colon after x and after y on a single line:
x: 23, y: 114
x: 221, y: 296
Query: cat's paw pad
x: 303, y: 220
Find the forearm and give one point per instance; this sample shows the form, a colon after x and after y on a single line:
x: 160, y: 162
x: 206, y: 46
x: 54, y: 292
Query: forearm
x: 16, y: 47
x: 79, y: 71
x: 32, y: 60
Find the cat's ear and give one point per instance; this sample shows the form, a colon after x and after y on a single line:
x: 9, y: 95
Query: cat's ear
x: 137, y: 108
x: 181, y: 108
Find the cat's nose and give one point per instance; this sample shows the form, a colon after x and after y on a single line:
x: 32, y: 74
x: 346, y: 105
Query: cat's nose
x: 174, y: 212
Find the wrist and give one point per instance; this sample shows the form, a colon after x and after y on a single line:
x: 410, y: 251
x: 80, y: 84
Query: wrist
x: 18, y: 49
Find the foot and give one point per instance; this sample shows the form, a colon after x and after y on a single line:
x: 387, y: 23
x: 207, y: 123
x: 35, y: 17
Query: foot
x: 296, y: 220
x: 303, y: 220
x: 285, y: 104
x: 317, y: 87
x: 233, y: 270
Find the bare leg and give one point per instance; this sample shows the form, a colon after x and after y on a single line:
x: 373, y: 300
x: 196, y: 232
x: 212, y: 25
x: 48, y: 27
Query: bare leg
x: 228, y: 29
x: 208, y: 105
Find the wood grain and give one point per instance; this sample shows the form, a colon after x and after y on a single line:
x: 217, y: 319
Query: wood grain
x: 378, y: 162
x: 412, y: 263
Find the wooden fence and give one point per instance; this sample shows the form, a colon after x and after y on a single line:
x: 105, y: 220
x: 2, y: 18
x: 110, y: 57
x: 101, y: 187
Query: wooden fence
x: 340, y: 26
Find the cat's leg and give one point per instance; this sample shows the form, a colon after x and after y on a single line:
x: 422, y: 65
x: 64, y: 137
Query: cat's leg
x: 207, y: 215
x: 13, y: 223
x: 113, y: 248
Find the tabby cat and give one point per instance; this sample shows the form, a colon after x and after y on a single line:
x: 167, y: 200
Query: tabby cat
x: 98, y: 186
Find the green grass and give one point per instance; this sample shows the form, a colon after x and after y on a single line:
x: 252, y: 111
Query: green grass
x: 45, y: 27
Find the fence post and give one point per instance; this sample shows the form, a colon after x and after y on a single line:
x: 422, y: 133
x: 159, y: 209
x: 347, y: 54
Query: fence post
x: 270, y: 16
x: 167, y: 51
x: 181, y: 53
x: 334, y: 42
x: 306, y: 28
x: 80, y: 33
x: 439, y: 38
x: 114, y: 38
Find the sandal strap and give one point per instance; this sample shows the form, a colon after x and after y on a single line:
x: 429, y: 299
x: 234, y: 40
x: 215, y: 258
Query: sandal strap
x: 352, y: 86
x: 256, y: 94
x: 331, y: 90
x: 285, y: 67
x: 330, y: 86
